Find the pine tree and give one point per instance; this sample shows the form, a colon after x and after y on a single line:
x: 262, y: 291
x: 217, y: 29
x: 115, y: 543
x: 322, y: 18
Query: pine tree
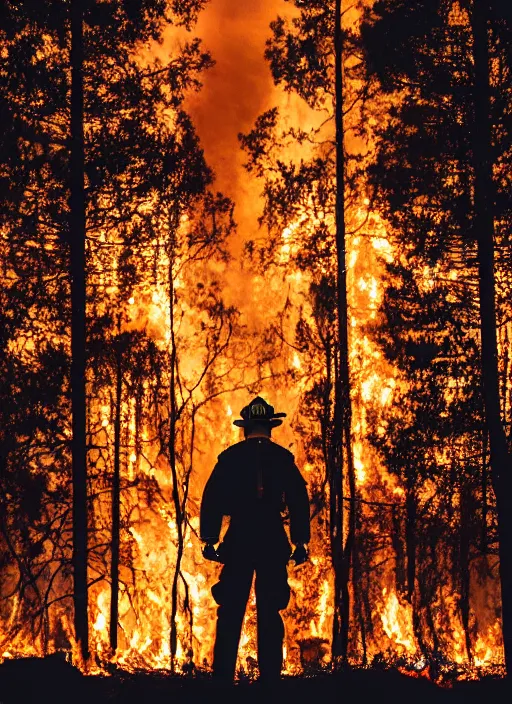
x: 440, y: 179
x: 77, y: 232
x: 114, y: 153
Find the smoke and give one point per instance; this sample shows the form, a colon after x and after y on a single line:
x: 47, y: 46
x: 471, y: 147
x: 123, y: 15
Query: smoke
x: 234, y: 93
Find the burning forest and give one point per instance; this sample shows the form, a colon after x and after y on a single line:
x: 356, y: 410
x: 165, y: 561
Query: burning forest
x: 203, y: 202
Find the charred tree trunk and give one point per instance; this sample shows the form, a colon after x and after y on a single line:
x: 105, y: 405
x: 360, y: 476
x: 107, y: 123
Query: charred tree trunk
x: 78, y: 333
x: 116, y: 505
x: 187, y: 605
x: 358, y: 605
x: 341, y: 456
x: 411, y: 508
x: 500, y: 459
x: 398, y: 549
x: 416, y: 597
x: 466, y: 511
x: 484, y: 537
x: 174, y: 473
x: 427, y: 588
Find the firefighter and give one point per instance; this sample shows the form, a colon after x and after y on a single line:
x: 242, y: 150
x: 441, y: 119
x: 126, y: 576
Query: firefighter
x: 253, y: 482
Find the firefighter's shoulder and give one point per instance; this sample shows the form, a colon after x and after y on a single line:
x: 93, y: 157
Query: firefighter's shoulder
x: 231, y: 451
x: 283, y: 453
x: 242, y: 447
x: 286, y: 459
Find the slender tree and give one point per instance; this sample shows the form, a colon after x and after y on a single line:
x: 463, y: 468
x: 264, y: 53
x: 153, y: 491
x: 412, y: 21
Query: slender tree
x: 342, y: 426
x: 78, y: 329
x: 484, y: 219
x: 440, y: 179
x: 116, y: 494
x: 72, y: 170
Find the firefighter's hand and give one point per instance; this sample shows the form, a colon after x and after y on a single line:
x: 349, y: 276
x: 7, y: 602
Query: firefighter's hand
x: 300, y: 555
x: 209, y: 552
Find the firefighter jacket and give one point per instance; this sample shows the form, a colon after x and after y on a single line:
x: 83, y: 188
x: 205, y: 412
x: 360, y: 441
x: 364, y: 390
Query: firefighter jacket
x: 254, y: 482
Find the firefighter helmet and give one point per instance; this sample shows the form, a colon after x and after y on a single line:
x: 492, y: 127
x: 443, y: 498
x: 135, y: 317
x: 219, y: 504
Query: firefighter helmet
x: 259, y: 411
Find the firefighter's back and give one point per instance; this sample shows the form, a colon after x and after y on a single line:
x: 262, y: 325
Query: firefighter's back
x: 255, y: 479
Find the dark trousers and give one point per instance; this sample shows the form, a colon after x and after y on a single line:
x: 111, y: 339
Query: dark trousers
x: 231, y: 593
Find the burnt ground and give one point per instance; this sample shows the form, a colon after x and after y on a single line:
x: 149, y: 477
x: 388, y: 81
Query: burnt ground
x: 52, y: 680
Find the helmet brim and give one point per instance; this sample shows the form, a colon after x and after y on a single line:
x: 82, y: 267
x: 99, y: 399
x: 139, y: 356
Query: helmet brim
x: 247, y: 423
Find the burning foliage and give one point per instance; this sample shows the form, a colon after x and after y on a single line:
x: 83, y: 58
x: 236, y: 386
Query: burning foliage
x: 361, y: 306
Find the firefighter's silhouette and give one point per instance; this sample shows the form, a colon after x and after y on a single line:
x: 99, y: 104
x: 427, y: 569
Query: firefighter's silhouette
x: 253, y: 482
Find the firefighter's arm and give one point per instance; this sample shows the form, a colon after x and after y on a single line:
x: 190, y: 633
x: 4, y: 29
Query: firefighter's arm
x: 212, y: 507
x: 298, y: 504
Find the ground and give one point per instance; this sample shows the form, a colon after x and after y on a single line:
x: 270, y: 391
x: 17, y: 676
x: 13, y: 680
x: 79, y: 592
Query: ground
x: 31, y: 680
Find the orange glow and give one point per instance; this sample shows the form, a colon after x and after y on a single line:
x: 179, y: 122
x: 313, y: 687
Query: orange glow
x: 167, y: 317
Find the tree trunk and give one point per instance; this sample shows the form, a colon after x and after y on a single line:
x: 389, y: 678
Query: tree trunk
x: 358, y: 598
x: 428, y: 592
x: 398, y: 549
x: 116, y: 508
x: 78, y: 399
x: 411, y: 508
x: 500, y: 459
x: 175, y: 480
x: 484, y: 537
x: 466, y: 513
x: 341, y: 455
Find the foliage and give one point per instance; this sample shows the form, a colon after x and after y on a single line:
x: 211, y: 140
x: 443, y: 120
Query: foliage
x: 152, y: 219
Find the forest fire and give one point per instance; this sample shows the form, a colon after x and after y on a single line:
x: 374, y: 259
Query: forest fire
x: 187, y: 314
